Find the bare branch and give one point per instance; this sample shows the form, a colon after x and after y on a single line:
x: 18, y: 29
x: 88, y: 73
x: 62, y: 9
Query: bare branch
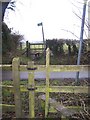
x: 74, y: 35
x: 71, y: 33
x: 86, y: 23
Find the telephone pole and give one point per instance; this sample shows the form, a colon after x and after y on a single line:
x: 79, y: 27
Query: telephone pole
x: 81, y: 39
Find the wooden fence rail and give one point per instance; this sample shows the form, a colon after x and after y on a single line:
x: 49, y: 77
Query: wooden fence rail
x: 53, y: 68
x: 56, y: 89
x: 31, y: 68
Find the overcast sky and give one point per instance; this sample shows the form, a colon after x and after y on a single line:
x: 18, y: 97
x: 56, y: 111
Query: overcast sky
x: 57, y: 16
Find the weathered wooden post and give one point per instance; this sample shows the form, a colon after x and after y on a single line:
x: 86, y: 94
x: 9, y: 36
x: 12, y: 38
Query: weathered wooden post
x: 16, y: 83
x: 0, y: 57
x: 21, y: 46
x: 31, y: 88
x: 69, y: 53
x: 29, y: 46
x: 47, y: 81
x: 27, y: 49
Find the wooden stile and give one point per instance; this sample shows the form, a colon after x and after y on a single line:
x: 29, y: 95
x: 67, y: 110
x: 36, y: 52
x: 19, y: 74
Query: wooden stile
x: 16, y: 67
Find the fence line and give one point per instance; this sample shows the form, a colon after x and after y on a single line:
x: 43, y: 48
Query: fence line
x: 56, y: 89
x: 53, y: 68
x: 16, y: 67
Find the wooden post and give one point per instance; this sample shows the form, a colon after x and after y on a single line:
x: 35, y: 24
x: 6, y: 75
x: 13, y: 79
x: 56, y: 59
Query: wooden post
x: 16, y: 82
x: 47, y: 81
x: 89, y: 24
x: 26, y: 48
x: 29, y: 48
x: 21, y: 46
x: 31, y: 88
x: 0, y: 57
x: 69, y: 53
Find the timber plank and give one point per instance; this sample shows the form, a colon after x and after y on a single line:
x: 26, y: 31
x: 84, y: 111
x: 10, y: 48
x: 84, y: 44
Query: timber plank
x: 61, y: 108
x: 60, y: 89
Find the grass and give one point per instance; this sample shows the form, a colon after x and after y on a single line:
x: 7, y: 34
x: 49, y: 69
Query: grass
x: 54, y: 60
x: 10, y: 82
x: 24, y: 60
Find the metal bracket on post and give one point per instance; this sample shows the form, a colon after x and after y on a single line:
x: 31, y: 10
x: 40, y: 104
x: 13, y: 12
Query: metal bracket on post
x: 31, y: 88
x: 31, y: 66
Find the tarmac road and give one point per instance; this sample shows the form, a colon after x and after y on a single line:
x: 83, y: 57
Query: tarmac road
x: 7, y: 75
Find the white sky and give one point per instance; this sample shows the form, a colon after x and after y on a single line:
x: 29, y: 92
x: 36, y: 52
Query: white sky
x: 55, y: 15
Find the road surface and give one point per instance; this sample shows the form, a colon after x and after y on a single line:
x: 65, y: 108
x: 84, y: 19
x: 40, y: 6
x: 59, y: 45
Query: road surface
x: 7, y: 75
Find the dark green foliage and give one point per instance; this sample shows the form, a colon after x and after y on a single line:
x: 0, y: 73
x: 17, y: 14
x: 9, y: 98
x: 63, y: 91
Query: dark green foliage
x: 69, y: 49
x: 75, y: 50
x: 60, y: 48
x: 9, y: 44
x: 55, y: 46
x: 84, y: 46
x: 5, y: 39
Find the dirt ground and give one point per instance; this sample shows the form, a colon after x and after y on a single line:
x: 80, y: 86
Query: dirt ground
x: 66, y: 99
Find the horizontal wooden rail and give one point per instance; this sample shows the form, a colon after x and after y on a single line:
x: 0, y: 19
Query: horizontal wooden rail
x: 36, y: 44
x: 62, y: 68
x: 53, y: 68
x: 36, y: 49
x: 7, y: 108
x: 11, y: 108
x: 60, y: 89
x: 6, y: 67
x: 39, y: 67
